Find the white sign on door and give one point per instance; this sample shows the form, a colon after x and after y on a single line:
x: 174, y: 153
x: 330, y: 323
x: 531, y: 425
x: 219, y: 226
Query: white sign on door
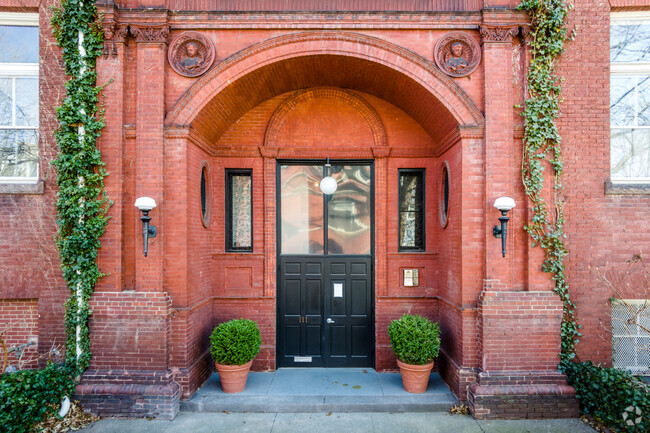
x: 338, y: 290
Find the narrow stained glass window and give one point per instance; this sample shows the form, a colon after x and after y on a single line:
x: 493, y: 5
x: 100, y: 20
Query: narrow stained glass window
x: 411, y: 210
x: 239, y: 210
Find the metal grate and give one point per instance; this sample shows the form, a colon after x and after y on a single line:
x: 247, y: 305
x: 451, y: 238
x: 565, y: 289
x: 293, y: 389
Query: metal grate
x: 630, y: 342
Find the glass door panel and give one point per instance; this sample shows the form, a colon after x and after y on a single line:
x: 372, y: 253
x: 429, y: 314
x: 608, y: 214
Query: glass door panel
x: 349, y: 211
x: 301, y: 209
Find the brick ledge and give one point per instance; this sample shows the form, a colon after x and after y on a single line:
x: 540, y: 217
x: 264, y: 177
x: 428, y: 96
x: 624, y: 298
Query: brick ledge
x: 23, y: 188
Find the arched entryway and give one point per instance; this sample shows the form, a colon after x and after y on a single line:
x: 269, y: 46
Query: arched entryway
x: 296, y: 100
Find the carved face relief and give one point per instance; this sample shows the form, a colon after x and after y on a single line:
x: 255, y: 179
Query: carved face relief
x: 457, y: 54
x: 110, y: 50
x: 191, y: 54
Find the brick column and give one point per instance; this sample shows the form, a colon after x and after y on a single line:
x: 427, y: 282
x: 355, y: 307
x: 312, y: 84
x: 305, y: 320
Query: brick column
x: 129, y: 372
x: 381, y: 154
x: 110, y: 68
x: 500, y: 165
x: 270, y: 225
x: 519, y: 331
x: 175, y: 217
x: 151, y: 51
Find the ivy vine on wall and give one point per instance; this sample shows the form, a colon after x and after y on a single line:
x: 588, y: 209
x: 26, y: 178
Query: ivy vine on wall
x: 81, y: 204
x: 543, y: 150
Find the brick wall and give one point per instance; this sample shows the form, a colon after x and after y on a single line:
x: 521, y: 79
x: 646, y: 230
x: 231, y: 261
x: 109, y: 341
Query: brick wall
x: 30, y: 275
x: 519, y: 330
x: 129, y: 330
x: 18, y: 326
x: 522, y: 402
x: 602, y: 229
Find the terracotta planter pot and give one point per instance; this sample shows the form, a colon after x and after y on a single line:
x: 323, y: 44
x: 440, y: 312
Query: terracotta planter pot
x: 233, y: 377
x: 415, y: 378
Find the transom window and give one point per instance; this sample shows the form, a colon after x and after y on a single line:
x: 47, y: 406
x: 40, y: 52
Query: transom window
x: 630, y: 97
x: 19, y: 97
x: 314, y: 223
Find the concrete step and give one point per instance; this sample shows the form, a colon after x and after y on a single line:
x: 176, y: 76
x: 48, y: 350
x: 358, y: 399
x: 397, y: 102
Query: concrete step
x: 301, y: 390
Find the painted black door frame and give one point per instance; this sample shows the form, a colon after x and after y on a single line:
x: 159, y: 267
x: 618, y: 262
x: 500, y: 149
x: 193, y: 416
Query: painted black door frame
x: 325, y: 260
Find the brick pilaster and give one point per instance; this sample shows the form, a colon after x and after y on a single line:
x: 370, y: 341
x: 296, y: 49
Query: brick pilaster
x: 111, y: 68
x: 500, y: 164
x: 151, y: 40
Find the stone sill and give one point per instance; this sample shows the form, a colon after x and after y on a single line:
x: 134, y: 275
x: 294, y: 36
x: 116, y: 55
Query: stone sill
x: 23, y: 188
x: 627, y: 188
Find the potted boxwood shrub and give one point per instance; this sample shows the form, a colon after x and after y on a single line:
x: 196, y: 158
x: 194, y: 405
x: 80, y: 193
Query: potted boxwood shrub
x: 233, y: 346
x: 415, y: 341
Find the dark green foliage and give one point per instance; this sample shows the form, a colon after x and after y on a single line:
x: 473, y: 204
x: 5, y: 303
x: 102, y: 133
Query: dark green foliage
x: 27, y: 396
x: 414, y: 339
x: 235, y: 342
x: 608, y: 394
x: 542, y: 149
x: 81, y: 203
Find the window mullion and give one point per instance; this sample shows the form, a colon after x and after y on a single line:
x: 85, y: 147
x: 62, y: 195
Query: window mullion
x: 13, y: 122
x: 13, y: 101
x: 636, y: 100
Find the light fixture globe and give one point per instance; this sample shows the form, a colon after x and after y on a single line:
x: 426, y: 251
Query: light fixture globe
x: 145, y: 203
x: 328, y: 185
x: 504, y: 204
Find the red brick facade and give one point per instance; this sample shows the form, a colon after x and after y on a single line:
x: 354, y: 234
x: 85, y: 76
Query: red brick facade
x: 310, y: 85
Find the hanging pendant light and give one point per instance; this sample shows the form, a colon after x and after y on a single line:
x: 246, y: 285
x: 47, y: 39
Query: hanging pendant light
x: 328, y: 184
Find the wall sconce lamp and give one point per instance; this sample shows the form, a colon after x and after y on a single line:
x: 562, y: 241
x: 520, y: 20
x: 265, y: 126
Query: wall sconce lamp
x: 328, y: 184
x: 504, y: 204
x: 145, y: 204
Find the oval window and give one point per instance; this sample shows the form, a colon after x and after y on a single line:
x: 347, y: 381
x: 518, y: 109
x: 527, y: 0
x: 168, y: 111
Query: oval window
x: 444, y: 196
x: 205, y: 211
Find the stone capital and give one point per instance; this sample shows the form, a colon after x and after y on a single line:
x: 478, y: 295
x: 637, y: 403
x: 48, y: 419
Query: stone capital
x: 113, y: 33
x: 498, y: 33
x: 149, y: 33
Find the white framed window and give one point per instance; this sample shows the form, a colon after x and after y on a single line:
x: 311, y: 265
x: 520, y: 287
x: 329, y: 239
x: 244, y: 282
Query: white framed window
x: 630, y: 97
x: 630, y: 337
x: 19, y: 97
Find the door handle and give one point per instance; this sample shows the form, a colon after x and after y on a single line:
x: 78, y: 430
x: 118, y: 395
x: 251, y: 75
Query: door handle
x: 329, y: 320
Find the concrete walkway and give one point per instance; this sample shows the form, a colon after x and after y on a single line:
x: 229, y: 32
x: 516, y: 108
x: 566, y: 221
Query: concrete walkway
x: 424, y: 422
x: 296, y: 390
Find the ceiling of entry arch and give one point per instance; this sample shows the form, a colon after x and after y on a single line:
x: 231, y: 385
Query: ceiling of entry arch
x: 322, y: 70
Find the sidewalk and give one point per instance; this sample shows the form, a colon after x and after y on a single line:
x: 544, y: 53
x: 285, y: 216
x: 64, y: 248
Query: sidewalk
x: 424, y: 422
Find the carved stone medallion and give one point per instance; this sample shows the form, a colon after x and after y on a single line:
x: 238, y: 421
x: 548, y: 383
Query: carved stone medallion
x: 191, y: 54
x: 457, y: 54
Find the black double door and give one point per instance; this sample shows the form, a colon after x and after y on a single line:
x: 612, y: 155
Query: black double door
x: 325, y: 285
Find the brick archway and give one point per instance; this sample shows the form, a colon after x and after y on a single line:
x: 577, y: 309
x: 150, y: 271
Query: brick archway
x: 324, y: 58
x: 359, y: 104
